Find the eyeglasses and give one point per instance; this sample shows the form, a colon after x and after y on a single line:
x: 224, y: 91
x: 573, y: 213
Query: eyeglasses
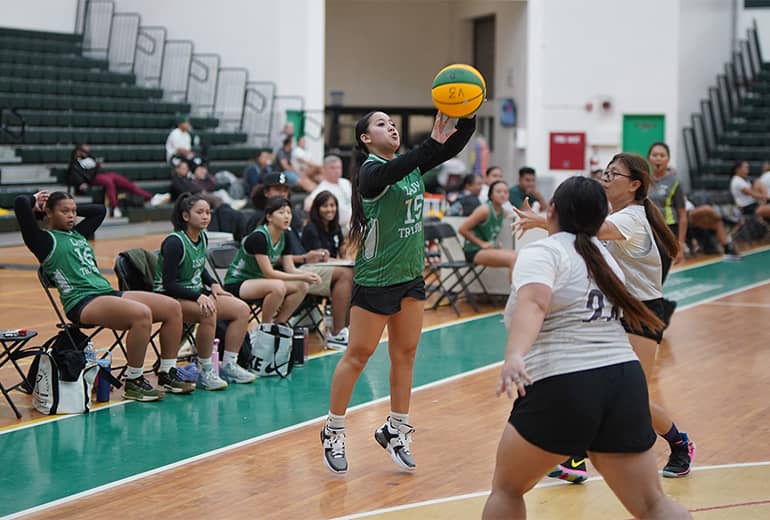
x: 610, y: 175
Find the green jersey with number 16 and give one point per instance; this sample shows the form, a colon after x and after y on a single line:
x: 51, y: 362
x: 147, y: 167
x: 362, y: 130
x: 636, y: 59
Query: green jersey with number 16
x: 71, y: 267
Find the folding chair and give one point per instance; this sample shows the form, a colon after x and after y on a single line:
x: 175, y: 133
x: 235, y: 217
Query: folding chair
x: 67, y: 326
x: 131, y: 278
x: 461, y: 274
x: 220, y: 256
x: 310, y: 313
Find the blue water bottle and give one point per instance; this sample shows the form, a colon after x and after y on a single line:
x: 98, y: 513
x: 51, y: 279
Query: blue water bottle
x: 103, y: 386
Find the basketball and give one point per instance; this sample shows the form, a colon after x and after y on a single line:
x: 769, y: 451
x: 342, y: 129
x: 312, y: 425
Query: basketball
x: 458, y: 90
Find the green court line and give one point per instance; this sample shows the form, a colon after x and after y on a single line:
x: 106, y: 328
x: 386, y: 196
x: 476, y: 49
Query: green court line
x: 53, y: 460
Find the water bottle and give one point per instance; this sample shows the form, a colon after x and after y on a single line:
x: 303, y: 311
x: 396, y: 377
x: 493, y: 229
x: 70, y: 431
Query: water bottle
x: 89, y: 352
x: 299, y: 346
x: 215, y: 355
x: 328, y: 320
x: 103, y: 386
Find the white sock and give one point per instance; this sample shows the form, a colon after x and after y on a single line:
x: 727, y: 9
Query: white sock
x: 397, y: 419
x: 134, y: 372
x: 335, y: 421
x: 167, y: 364
x: 229, y: 357
x: 206, y: 363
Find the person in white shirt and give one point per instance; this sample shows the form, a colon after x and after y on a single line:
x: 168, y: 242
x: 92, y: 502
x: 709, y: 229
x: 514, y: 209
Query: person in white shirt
x: 494, y: 174
x: 578, y: 384
x: 632, y: 233
x: 764, y: 180
x: 303, y: 162
x: 179, y: 144
x: 750, y: 199
x: 340, y: 187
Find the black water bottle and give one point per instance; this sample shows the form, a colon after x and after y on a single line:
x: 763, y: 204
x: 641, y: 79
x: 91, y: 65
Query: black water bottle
x: 299, y: 346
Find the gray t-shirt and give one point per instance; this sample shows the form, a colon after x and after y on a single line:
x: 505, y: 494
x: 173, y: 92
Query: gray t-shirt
x: 668, y: 195
x: 582, y: 328
x: 637, y: 255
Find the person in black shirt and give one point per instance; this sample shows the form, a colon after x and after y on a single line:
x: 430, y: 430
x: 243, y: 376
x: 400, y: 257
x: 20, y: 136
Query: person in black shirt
x: 324, y: 232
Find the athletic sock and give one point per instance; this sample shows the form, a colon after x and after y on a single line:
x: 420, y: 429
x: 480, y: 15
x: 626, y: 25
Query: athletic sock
x: 134, y: 372
x: 335, y: 421
x: 207, y: 363
x: 166, y: 365
x: 397, y: 419
x: 673, y: 437
x: 230, y: 357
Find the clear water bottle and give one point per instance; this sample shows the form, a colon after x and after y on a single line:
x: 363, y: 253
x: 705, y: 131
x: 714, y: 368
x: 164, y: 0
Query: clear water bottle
x: 89, y: 352
x: 215, y: 355
x: 328, y: 320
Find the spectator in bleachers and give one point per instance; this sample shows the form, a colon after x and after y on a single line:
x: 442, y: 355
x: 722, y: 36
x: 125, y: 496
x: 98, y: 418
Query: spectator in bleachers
x: 482, y: 228
x: 85, y: 171
x: 255, y: 174
x: 323, y: 232
x: 283, y: 164
x: 303, y: 162
x: 340, y: 187
x: 706, y: 217
x: 493, y: 174
x: 468, y: 199
x: 182, y: 181
x: 764, y: 179
x: 208, y: 183
x: 286, y: 131
x: 179, y: 145
x: 749, y: 199
x: 254, y: 272
x: 668, y: 195
x: 527, y: 188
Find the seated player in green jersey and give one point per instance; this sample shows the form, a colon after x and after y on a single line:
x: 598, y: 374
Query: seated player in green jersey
x: 182, y: 274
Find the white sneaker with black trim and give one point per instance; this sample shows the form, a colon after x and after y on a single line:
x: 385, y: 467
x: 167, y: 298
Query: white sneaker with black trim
x: 396, y: 442
x: 333, y: 441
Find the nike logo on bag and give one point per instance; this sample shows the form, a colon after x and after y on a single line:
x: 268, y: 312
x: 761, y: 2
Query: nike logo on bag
x: 576, y: 463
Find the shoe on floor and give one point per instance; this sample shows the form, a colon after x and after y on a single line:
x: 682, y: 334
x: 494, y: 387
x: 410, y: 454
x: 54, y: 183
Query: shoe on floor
x: 233, y: 373
x: 681, y: 458
x: 333, y: 441
x: 572, y: 470
x: 159, y: 199
x: 396, y: 442
x: 172, y: 382
x: 116, y: 213
x: 338, y: 341
x: 209, y: 380
x: 140, y: 389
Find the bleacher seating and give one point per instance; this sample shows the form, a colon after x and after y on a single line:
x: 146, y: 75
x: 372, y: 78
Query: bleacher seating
x: 65, y: 98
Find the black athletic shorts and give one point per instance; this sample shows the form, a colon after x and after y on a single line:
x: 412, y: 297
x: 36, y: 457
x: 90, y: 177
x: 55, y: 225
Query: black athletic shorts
x: 387, y: 300
x: 604, y: 409
x: 234, y: 288
x: 750, y: 209
x: 656, y: 306
x: 470, y: 255
x: 74, y: 313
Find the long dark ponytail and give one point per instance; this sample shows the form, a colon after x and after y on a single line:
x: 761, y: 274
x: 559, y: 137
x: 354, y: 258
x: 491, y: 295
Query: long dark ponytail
x: 581, y: 206
x: 640, y: 171
x: 357, y: 218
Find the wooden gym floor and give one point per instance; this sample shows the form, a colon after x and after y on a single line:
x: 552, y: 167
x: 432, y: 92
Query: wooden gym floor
x: 253, y: 451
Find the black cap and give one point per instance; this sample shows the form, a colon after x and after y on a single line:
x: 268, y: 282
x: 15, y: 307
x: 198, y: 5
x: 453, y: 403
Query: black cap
x: 275, y: 179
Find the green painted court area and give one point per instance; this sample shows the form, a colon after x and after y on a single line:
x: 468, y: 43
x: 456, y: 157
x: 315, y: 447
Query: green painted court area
x: 53, y: 460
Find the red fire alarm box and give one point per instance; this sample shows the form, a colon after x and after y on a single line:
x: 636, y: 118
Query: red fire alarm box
x: 568, y: 151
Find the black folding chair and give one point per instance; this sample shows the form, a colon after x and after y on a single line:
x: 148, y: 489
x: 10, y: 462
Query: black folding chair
x: 130, y: 278
x: 220, y: 256
x: 310, y: 314
x: 439, y: 258
x: 67, y: 326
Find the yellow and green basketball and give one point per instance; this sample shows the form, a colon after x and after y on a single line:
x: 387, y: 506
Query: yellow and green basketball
x: 458, y: 90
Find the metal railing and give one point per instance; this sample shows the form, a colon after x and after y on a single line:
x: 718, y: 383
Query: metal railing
x: 722, y: 109
x: 199, y: 79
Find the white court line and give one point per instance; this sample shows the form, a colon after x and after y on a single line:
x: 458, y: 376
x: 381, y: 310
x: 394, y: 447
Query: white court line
x: 541, y: 485
x: 723, y: 295
x: 56, y: 418
x: 298, y: 426
x: 717, y: 260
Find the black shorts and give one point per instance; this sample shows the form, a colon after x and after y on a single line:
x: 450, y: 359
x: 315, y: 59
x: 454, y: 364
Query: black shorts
x: 750, y: 209
x: 387, y: 300
x: 470, y: 255
x: 74, y: 313
x: 604, y: 409
x: 234, y: 288
x: 656, y: 306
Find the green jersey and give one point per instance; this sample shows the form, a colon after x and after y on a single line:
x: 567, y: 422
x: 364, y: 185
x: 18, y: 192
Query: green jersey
x: 72, y: 268
x: 393, y: 251
x: 487, y: 230
x: 245, y: 266
x: 191, y: 265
